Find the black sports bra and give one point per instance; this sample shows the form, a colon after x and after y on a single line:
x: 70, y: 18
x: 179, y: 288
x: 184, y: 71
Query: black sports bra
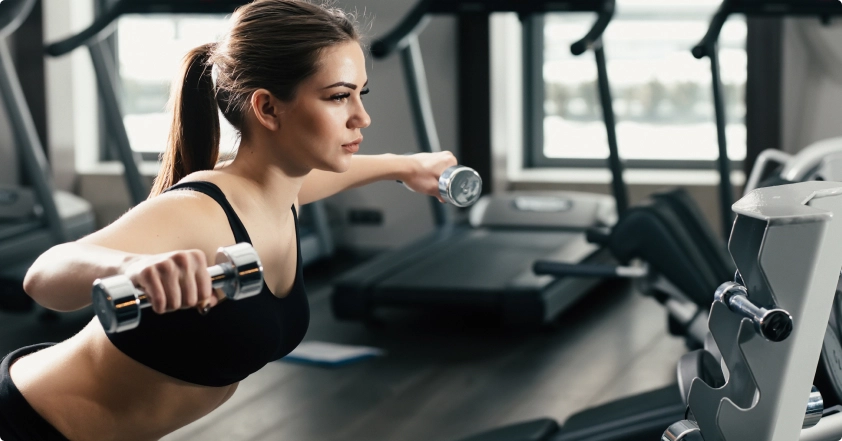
x: 235, y: 339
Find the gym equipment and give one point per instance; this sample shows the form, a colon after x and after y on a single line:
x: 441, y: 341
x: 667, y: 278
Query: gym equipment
x: 485, y: 268
x: 708, y: 47
x: 17, y: 203
x: 315, y: 235
x: 238, y: 273
x: 675, y: 258
x: 784, y: 244
x: 34, y: 219
x: 812, y: 163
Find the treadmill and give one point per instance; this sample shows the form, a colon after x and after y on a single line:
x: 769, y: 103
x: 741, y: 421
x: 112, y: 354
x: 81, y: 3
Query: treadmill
x: 486, y: 267
x: 316, y: 238
x: 49, y: 217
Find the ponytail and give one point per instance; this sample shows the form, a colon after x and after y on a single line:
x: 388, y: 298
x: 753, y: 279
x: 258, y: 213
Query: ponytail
x: 193, y: 142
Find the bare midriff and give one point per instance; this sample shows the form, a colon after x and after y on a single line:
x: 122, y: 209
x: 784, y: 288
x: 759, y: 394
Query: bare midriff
x: 89, y: 390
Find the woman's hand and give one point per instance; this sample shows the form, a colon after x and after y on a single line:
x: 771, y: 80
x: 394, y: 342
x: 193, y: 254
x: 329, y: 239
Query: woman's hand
x: 427, y: 168
x: 175, y: 280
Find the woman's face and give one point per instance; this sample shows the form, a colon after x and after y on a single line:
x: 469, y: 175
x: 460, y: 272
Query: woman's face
x: 322, y: 126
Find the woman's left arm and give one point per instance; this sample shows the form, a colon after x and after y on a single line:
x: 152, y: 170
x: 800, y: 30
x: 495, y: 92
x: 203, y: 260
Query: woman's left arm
x: 420, y: 172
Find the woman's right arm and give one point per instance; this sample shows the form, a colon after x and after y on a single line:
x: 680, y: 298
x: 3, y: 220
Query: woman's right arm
x: 154, y: 244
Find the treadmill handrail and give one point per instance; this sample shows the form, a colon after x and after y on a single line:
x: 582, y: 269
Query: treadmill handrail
x: 91, y: 32
x: 712, y: 36
x: 593, y: 36
x: 414, y: 21
x: 784, y: 9
x: 20, y: 11
x: 397, y: 38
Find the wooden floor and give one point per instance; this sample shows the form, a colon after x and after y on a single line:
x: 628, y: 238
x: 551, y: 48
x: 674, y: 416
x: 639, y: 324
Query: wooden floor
x: 441, y: 379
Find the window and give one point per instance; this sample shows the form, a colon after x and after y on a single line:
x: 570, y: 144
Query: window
x: 149, y: 51
x: 661, y: 94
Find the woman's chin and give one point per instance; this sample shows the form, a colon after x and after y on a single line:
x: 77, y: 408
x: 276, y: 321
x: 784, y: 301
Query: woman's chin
x: 340, y: 166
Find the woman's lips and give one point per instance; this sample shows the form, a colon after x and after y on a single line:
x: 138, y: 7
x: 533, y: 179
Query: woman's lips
x: 353, y: 146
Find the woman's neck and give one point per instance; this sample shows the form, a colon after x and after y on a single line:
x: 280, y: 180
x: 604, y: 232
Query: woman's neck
x: 275, y: 184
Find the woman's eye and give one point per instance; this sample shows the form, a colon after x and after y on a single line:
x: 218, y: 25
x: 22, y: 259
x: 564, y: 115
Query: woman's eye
x: 340, y: 97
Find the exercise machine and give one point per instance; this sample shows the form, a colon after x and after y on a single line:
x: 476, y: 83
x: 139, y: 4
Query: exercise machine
x: 485, y: 267
x: 34, y: 218
x: 316, y: 238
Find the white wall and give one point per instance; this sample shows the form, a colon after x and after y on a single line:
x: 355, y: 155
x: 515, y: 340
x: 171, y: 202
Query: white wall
x: 812, y: 82
x: 72, y: 115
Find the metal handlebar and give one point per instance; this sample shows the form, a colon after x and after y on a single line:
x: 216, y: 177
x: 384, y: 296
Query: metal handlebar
x: 93, y: 31
x: 702, y: 49
x: 396, y: 39
x: 593, y: 36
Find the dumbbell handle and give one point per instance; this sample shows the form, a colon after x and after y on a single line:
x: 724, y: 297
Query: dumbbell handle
x: 219, y: 274
x: 774, y: 325
x: 238, y: 273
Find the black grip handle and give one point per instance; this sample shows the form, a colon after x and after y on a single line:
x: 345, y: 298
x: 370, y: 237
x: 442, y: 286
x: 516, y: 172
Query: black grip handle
x: 604, y: 17
x: 385, y: 46
x: 70, y: 43
x: 559, y: 269
x: 598, y: 235
x: 709, y: 40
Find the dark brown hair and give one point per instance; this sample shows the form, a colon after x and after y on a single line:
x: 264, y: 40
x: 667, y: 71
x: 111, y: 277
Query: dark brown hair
x: 272, y: 45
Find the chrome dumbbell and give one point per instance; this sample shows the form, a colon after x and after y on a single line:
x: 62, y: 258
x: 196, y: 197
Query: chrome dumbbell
x: 238, y: 273
x: 459, y: 185
x: 773, y: 324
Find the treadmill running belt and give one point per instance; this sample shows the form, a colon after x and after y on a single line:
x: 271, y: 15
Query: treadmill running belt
x: 478, y: 270
x: 484, y: 260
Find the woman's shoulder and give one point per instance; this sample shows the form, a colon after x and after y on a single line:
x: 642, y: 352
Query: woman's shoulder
x: 173, y: 220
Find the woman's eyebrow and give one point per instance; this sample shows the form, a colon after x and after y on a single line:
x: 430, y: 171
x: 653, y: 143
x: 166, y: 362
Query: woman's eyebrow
x: 344, y: 84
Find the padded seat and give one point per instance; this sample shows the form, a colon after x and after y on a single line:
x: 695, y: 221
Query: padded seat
x: 654, y: 233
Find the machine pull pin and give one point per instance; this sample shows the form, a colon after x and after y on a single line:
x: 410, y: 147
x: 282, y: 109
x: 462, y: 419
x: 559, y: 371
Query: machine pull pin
x: 774, y: 325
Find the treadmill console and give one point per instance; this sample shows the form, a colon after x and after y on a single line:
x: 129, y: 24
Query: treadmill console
x: 520, y: 6
x: 788, y: 7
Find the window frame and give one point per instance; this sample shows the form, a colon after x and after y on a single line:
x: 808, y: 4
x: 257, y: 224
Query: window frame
x: 533, y: 111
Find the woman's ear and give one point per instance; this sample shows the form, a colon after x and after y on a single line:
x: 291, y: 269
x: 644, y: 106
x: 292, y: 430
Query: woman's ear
x: 267, y: 109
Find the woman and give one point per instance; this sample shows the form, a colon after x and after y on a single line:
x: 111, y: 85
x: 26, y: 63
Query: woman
x: 290, y: 77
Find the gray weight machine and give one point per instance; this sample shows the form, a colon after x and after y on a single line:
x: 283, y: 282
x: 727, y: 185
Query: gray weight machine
x: 316, y: 237
x: 785, y: 244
